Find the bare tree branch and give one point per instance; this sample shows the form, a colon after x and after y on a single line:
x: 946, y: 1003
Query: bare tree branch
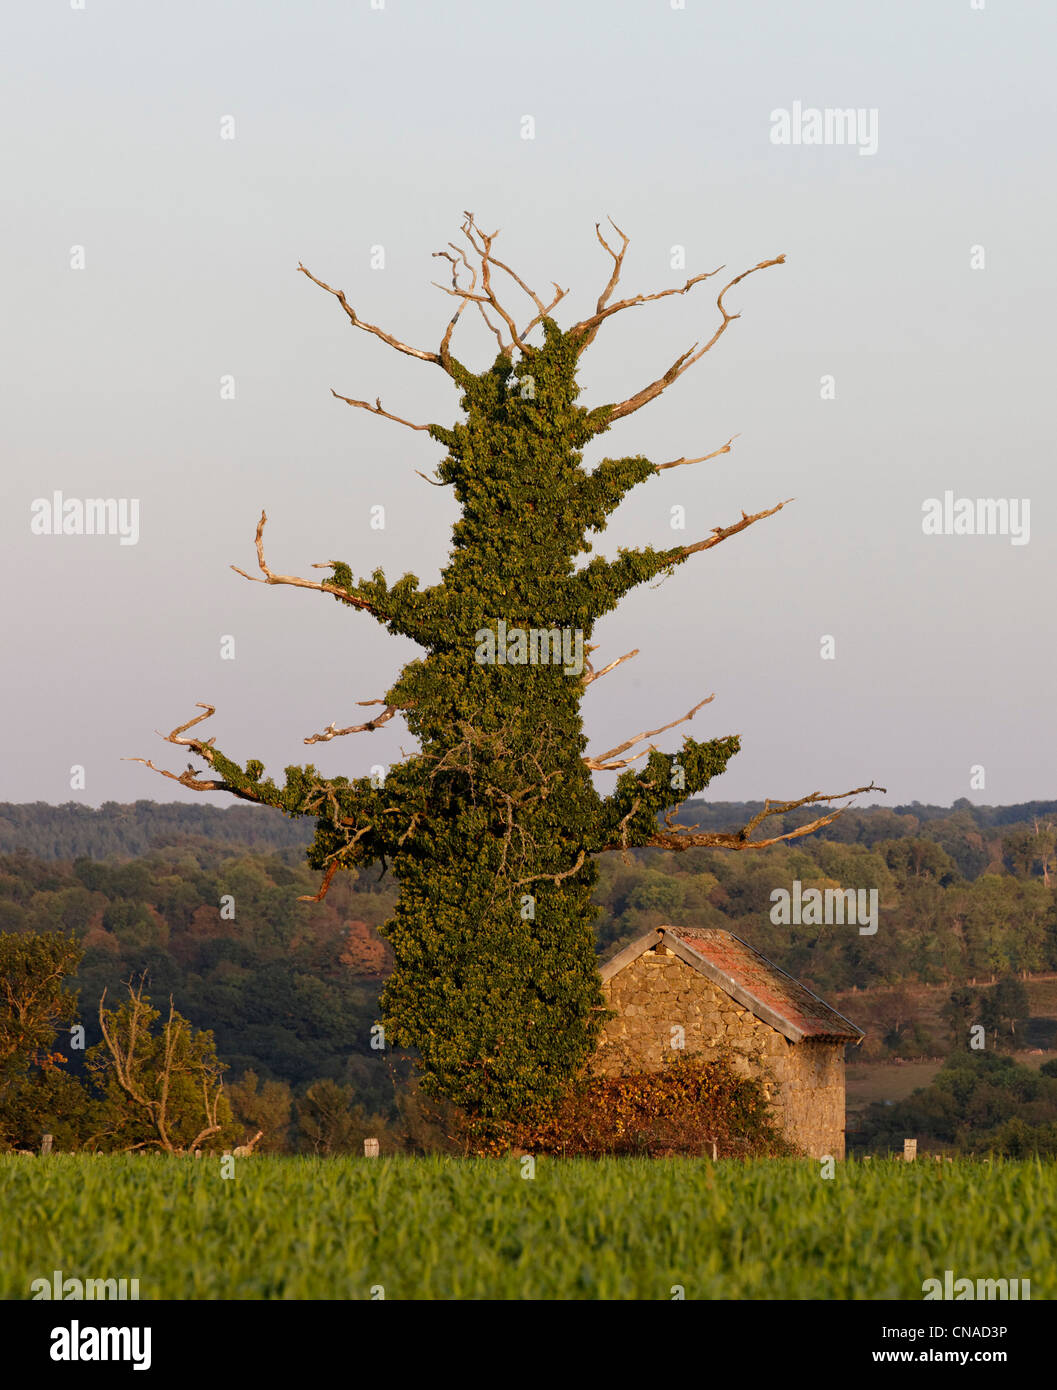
x: 483, y: 249
x: 559, y: 295
x: 693, y: 354
x: 602, y: 762
x: 332, y: 731
x: 204, y: 749
x: 123, y: 1060
x: 190, y: 779
x: 445, y: 346
x: 555, y: 878
x: 618, y: 262
x: 702, y: 458
x: 587, y: 328
x: 506, y: 348
x: 720, y: 533
x: 678, y: 838
x: 593, y: 675
x: 270, y: 578
x: 357, y: 322
x: 376, y: 409
x: 332, y: 869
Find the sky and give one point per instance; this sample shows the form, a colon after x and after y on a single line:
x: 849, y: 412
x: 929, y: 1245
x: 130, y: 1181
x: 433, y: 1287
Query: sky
x: 167, y: 168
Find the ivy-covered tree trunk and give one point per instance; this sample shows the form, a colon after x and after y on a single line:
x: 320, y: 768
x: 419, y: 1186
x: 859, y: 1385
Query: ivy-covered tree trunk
x: 492, y: 826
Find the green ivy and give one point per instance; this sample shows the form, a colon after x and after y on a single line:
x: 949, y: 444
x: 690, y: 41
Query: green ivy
x: 492, y: 826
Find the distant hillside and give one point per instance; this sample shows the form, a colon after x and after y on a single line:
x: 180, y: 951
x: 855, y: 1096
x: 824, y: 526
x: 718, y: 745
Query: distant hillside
x: 72, y: 831
x: 970, y: 834
x: 858, y: 824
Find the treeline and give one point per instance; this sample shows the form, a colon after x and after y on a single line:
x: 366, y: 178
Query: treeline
x: 290, y: 988
x: 971, y: 835
x: 73, y: 831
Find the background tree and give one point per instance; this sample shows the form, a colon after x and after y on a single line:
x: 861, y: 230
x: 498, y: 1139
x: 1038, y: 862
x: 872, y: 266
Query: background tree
x: 330, y: 1121
x: 266, y: 1106
x: 36, y: 1095
x: 491, y: 827
x: 34, y: 1003
x: 960, y: 1013
x: 1002, y: 1005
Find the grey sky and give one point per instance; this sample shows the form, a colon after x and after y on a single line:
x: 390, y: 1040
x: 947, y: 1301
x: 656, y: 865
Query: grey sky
x: 357, y: 127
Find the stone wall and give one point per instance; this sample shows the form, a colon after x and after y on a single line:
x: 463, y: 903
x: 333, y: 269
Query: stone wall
x: 658, y: 991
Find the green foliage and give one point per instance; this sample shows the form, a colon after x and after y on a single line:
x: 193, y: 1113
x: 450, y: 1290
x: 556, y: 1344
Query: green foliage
x: 266, y: 1106
x: 329, y: 1121
x: 46, y: 1100
x: 1001, y: 1006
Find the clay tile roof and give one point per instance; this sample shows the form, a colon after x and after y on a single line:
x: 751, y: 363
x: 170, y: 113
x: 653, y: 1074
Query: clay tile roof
x: 767, y: 984
x: 762, y: 988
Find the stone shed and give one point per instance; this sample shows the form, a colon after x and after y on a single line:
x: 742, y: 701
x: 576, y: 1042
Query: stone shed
x: 720, y: 991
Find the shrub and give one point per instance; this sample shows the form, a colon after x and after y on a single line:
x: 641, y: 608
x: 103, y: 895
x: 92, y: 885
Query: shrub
x: 693, y: 1106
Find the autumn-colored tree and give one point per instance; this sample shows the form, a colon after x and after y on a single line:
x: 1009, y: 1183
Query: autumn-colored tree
x: 36, y: 1094
x: 491, y: 827
x: 34, y: 1004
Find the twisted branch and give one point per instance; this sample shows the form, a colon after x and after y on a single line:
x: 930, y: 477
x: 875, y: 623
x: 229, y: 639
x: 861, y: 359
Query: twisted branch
x: 693, y: 354
x: 602, y: 762
x: 271, y: 578
x: 332, y: 731
x: 357, y: 322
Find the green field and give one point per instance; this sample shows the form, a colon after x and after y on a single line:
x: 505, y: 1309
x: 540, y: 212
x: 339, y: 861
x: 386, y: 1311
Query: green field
x: 476, y: 1229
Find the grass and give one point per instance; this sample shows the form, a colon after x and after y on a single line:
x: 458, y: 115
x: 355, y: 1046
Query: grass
x: 431, y: 1228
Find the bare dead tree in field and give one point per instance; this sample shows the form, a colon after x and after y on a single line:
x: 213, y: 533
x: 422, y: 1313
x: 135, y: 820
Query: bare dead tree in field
x: 169, y: 1079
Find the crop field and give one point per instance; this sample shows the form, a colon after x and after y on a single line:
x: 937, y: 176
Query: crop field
x: 307, y: 1228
